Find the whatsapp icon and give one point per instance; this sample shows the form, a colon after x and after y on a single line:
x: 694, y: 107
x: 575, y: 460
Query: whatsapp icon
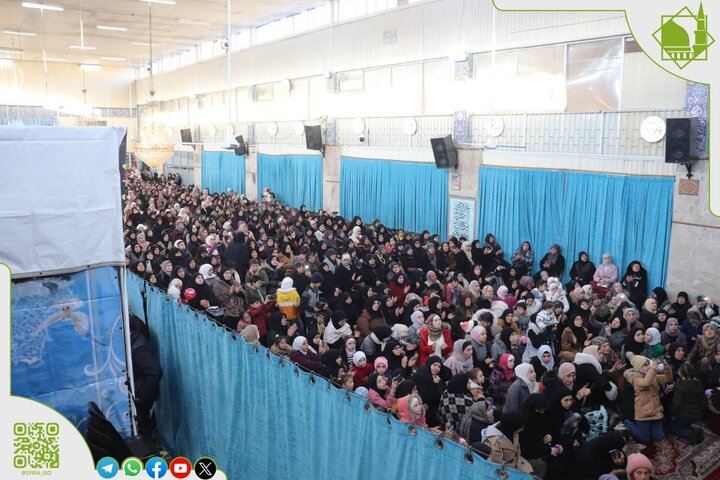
x: 132, y: 466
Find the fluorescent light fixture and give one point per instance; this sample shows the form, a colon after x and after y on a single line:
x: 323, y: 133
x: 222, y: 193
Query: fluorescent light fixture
x: 42, y: 6
x: 6, y: 62
x: 12, y: 51
x: 90, y: 67
x: 162, y: 2
x: 144, y: 44
x: 112, y: 28
x: 26, y: 34
x: 185, y: 21
x: 114, y: 59
x: 54, y: 59
x: 80, y: 47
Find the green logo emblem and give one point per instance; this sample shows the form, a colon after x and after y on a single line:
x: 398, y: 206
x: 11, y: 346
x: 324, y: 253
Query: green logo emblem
x: 676, y: 32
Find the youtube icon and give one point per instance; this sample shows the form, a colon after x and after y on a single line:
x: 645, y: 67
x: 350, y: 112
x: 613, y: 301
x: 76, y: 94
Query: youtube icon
x: 180, y: 467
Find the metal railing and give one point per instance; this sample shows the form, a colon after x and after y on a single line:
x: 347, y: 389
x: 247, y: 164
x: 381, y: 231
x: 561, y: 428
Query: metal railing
x: 601, y: 133
x: 598, y: 133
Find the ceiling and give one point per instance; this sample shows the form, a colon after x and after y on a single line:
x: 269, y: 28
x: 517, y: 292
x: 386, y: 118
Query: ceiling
x: 174, y: 27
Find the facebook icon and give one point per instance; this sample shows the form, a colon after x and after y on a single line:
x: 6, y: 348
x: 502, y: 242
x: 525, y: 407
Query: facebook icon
x: 156, y: 467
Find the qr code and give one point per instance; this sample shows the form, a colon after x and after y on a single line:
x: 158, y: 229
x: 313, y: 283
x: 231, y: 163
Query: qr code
x: 36, y: 445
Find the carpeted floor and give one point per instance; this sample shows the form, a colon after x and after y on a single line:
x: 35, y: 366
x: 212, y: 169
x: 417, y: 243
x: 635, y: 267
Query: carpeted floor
x: 675, y: 459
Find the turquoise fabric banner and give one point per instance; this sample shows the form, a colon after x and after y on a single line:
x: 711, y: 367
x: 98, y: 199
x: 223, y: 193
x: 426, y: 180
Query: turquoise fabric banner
x: 223, y: 170
x: 296, y: 180
x: 629, y: 217
x: 408, y: 195
x: 260, y: 417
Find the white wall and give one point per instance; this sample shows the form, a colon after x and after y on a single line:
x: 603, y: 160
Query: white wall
x: 428, y: 31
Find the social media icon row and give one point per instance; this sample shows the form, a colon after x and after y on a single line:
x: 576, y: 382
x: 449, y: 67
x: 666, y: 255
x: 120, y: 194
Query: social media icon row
x: 156, y: 467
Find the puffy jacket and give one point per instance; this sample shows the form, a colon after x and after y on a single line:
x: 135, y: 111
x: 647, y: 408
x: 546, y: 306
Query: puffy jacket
x: 503, y: 450
x: 647, y: 392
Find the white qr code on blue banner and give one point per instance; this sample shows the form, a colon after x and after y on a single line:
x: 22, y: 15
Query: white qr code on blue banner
x: 35, y: 445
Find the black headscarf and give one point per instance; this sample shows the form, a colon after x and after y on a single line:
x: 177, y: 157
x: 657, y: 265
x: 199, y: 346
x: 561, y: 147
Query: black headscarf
x: 458, y: 384
x: 631, y: 345
x: 337, y: 317
x: 510, y: 422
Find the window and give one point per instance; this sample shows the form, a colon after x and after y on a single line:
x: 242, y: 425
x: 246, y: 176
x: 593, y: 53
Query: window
x: 264, y: 33
x: 348, y: 9
x: 319, y: 17
x: 594, y: 75
x: 242, y: 40
x: 300, y: 22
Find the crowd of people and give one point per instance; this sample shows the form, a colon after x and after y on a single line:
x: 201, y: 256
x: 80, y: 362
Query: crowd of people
x: 535, y: 369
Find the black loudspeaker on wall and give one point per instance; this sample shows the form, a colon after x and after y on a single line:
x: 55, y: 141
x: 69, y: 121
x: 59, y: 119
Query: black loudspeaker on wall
x: 444, y: 152
x: 313, y: 137
x: 680, y: 140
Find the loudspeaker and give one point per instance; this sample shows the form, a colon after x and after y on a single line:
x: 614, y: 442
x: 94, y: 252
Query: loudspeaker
x: 681, y: 140
x: 186, y: 135
x: 242, y: 147
x: 444, y: 152
x: 313, y: 137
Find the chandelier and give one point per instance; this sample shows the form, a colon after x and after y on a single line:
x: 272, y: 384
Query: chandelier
x: 153, y: 149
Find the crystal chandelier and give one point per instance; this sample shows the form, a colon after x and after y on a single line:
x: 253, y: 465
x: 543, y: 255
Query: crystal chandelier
x: 153, y: 149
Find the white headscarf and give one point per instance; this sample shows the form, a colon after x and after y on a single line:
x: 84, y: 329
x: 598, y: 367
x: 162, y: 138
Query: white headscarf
x: 206, y: 270
x: 358, y: 356
x: 546, y: 349
x: 521, y: 371
x: 286, y: 285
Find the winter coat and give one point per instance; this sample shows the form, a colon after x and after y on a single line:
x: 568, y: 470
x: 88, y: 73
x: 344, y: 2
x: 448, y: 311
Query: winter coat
x: 517, y: 395
x: 689, y: 400
x: 647, y: 392
x: 427, y: 350
x: 499, y: 384
x: 505, y: 451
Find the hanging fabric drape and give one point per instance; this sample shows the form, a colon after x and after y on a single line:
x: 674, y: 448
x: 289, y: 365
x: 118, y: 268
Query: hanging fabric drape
x: 629, y: 217
x: 521, y: 205
x: 223, y: 170
x: 135, y: 287
x: 296, y: 180
x: 407, y: 195
x: 259, y: 417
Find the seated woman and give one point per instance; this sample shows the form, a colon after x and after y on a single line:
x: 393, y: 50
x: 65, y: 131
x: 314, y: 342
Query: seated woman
x: 582, y: 270
x: 522, y: 259
x: 553, y: 262
x: 574, y: 339
x: 605, y: 275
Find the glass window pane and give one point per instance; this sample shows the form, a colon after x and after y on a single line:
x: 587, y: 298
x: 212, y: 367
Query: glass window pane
x: 594, y: 76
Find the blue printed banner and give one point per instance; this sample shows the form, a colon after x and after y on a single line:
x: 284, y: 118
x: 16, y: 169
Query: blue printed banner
x: 68, y: 346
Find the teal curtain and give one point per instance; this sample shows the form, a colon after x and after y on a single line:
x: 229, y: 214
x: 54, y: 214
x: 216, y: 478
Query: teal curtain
x: 628, y: 217
x: 135, y: 288
x: 259, y: 417
x: 407, y: 195
x: 296, y: 180
x: 223, y: 170
x: 518, y: 205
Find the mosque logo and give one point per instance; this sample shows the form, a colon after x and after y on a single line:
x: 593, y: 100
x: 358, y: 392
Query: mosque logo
x: 674, y: 37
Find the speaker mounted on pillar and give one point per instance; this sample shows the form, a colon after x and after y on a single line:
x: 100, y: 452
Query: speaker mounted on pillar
x: 313, y: 138
x: 444, y: 152
x: 681, y: 140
